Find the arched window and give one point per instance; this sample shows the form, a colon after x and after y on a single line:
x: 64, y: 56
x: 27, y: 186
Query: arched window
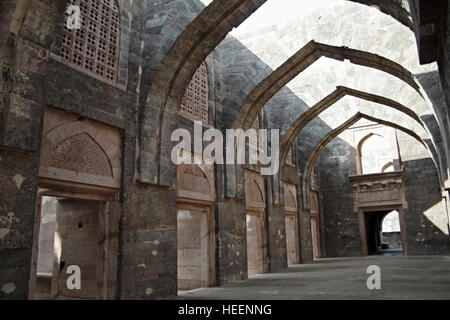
x: 375, y: 154
x: 194, y: 105
x: 94, y: 47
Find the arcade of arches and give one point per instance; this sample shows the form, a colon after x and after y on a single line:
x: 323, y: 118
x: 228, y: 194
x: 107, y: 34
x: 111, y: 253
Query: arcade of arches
x: 359, y: 91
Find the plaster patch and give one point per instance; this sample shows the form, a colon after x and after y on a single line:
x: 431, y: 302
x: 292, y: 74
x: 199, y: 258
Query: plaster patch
x: 142, y: 265
x: 154, y: 252
x: 9, y: 287
x: 3, y: 232
x: 18, y: 179
x: 149, y: 291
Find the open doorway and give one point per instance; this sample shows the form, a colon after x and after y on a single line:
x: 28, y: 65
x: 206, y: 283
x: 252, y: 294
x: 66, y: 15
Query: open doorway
x: 291, y: 223
x: 194, y: 248
x: 74, y: 231
x: 76, y: 226
x: 315, y: 225
x: 383, y: 232
x: 255, y: 243
x: 255, y: 207
x: 195, y: 226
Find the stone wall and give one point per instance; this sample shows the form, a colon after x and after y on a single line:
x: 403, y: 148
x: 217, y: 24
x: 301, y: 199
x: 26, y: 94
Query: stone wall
x: 340, y: 222
x: 32, y: 73
x: 393, y: 239
x: 425, y: 218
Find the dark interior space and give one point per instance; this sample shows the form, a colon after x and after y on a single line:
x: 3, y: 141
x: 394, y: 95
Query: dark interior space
x: 379, y: 242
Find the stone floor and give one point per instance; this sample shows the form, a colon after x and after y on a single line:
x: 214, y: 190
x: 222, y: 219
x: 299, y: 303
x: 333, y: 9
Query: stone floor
x: 402, y: 277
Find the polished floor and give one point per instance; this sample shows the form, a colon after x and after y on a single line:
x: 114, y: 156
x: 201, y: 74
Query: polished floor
x: 402, y: 277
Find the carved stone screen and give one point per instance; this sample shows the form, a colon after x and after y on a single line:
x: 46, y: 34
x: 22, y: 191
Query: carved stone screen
x: 94, y: 48
x: 80, y: 153
x: 194, y: 105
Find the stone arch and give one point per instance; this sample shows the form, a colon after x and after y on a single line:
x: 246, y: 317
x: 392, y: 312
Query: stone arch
x: 178, y: 66
x: 298, y: 125
x: 334, y: 133
x: 197, y: 40
x: 360, y: 154
x: 305, y: 57
x: 287, y: 45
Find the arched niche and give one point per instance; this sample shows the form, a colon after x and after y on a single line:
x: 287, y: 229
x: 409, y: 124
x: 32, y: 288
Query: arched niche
x: 376, y: 149
x: 290, y: 197
x: 80, y: 150
x: 195, y: 182
x: 254, y: 190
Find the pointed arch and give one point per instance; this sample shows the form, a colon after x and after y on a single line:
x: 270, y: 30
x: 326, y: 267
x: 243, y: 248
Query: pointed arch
x: 304, y: 58
x: 197, y: 40
x: 178, y: 66
x: 362, y: 157
x: 334, y: 133
x: 301, y: 122
x: 80, y: 150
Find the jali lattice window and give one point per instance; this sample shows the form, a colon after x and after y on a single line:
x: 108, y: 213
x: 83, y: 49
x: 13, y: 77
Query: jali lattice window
x: 194, y: 105
x: 94, y: 47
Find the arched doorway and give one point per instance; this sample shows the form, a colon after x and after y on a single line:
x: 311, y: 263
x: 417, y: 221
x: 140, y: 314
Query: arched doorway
x: 77, y: 212
x: 255, y: 205
x: 315, y: 225
x: 195, y: 226
x: 377, y: 154
x: 383, y: 232
x: 291, y: 220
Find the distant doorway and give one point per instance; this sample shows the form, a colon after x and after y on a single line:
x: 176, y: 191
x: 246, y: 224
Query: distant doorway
x: 256, y: 256
x: 194, y: 246
x: 383, y: 232
x: 257, y: 259
x: 195, y: 226
x: 315, y: 225
x: 291, y: 222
